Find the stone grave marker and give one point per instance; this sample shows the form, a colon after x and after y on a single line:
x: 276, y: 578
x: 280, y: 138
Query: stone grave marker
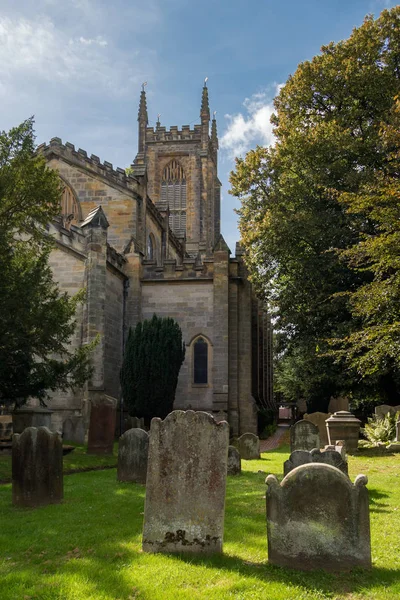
x: 398, y: 431
x: 186, y: 479
x: 248, y: 445
x: 318, y: 519
x: 6, y: 427
x: 234, y: 461
x: 304, y: 435
x: 37, y: 467
x: 102, y: 425
x: 319, y: 419
x: 133, y: 450
x: 74, y: 430
x: 327, y: 456
x: 336, y: 404
x: 384, y: 409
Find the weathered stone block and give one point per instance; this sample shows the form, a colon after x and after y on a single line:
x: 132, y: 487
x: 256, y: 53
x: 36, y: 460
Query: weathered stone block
x: 133, y: 452
x: 398, y: 431
x: 344, y: 426
x: 326, y: 456
x: 37, y: 467
x: 74, y: 430
x: 102, y: 426
x: 31, y: 416
x: 248, y: 445
x: 336, y: 404
x: 234, y: 461
x: 317, y: 519
x: 186, y: 479
x: 384, y: 409
x: 6, y: 427
x: 319, y: 419
x: 304, y: 435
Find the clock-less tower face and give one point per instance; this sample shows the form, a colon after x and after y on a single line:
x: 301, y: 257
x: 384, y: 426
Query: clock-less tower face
x: 182, y: 181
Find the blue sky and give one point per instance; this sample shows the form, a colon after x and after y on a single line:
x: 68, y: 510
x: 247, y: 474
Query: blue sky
x: 78, y: 65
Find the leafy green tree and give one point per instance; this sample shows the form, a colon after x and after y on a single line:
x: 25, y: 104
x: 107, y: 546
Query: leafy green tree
x: 153, y: 357
x: 328, y: 122
x: 36, y: 320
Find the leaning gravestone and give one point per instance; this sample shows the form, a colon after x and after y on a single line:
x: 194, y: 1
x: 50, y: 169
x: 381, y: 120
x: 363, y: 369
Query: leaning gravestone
x: 326, y: 456
x: 74, y: 430
x: 248, y: 445
x: 304, y: 435
x: 186, y: 479
x: 37, y: 467
x: 133, y: 451
x: 319, y: 419
x: 317, y: 519
x: 234, y: 461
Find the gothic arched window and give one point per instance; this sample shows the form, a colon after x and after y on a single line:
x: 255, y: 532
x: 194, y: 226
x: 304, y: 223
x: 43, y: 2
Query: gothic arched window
x: 173, y: 193
x: 70, y: 212
x: 200, y: 361
x: 151, y: 247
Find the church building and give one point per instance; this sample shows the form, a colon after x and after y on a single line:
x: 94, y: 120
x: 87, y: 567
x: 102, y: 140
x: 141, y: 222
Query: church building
x: 148, y: 241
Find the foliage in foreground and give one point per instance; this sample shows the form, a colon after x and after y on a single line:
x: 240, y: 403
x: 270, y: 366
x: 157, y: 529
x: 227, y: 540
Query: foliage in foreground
x: 89, y: 547
x: 153, y: 357
x: 332, y: 125
x: 36, y: 321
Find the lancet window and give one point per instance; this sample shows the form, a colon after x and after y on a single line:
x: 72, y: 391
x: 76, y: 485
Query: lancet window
x: 70, y: 212
x: 173, y: 193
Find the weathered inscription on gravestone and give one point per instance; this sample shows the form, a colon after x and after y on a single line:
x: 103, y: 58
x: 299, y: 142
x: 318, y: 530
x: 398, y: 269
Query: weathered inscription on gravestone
x: 384, y: 409
x: 186, y: 479
x: 74, y: 430
x: 304, y: 435
x: 319, y: 418
x: 102, y: 425
x: 248, y: 445
x: 37, y: 467
x: 316, y: 518
x: 326, y: 456
x: 234, y: 461
x: 133, y: 451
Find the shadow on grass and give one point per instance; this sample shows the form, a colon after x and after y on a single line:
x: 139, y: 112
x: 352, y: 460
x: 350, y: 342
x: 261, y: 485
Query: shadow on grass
x: 374, y: 504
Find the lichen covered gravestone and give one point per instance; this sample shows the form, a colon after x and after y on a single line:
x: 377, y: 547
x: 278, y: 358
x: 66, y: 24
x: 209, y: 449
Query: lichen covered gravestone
x: 318, y: 519
x: 304, y: 435
x: 102, y: 425
x: 327, y: 456
x: 319, y: 419
x: 133, y: 451
x: 74, y: 430
x: 234, y: 461
x: 37, y: 467
x: 344, y: 426
x: 248, y: 445
x: 186, y: 480
x: 383, y: 409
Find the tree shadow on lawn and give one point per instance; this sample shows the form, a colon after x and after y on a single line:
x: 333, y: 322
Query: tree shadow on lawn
x: 312, y: 581
x: 374, y: 504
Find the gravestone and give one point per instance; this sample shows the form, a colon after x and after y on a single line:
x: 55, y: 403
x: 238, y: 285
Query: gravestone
x: 318, y: 519
x: 398, y: 431
x: 344, y: 426
x: 133, y: 451
x: 31, y: 416
x: 74, y: 430
x: 336, y: 404
x: 234, y: 461
x: 37, y: 467
x: 6, y: 427
x: 304, y: 435
x: 248, y: 445
x: 102, y: 425
x: 186, y: 479
x: 326, y: 456
x: 384, y: 409
x: 319, y: 419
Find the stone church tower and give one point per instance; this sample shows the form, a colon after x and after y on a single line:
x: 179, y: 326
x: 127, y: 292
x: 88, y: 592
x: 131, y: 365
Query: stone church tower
x: 148, y: 241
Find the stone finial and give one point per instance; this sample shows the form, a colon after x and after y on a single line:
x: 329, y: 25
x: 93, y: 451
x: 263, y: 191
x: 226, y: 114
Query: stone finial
x: 214, y: 134
x: 142, y: 114
x: 205, y: 108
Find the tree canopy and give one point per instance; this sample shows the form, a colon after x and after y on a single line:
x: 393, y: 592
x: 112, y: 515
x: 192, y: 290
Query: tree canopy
x: 36, y: 320
x: 153, y: 357
x: 297, y: 219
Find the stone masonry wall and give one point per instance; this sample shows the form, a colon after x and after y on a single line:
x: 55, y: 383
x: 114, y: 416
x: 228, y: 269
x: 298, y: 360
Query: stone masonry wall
x: 190, y: 303
x: 113, y: 331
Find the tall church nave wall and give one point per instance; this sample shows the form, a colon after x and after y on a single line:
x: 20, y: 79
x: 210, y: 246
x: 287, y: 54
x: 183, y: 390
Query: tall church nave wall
x: 114, y: 313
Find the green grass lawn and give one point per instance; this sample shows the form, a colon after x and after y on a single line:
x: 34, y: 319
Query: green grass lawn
x: 89, y: 547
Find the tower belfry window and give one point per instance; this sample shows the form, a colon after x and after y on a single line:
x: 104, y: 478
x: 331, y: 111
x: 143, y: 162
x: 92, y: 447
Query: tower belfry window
x: 173, y: 193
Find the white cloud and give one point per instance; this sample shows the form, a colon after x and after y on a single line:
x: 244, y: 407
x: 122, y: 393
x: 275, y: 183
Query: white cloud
x: 244, y: 131
x: 99, y: 41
